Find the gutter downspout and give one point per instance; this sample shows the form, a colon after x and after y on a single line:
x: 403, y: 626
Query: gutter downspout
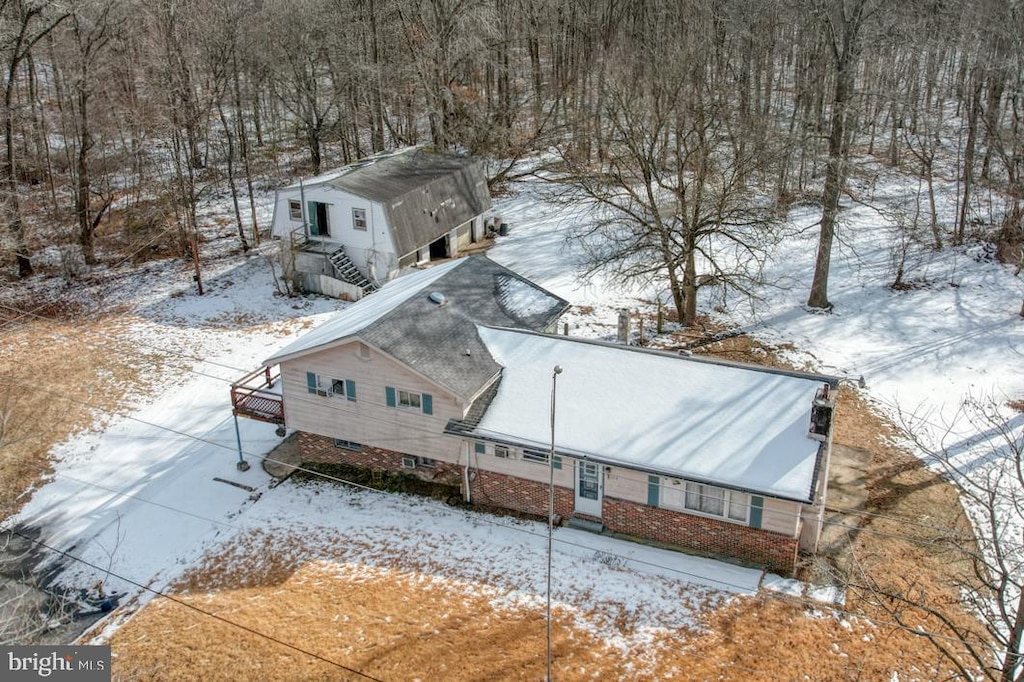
x: 305, y: 215
x: 465, y: 472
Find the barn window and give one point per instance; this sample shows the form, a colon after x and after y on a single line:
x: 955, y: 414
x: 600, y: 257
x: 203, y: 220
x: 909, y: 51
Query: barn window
x: 359, y: 218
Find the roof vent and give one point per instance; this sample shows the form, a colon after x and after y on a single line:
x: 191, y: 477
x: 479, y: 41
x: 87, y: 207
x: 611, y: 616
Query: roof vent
x: 438, y: 298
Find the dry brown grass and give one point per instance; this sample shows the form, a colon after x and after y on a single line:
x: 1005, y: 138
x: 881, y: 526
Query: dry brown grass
x: 396, y: 624
x: 386, y: 623
x: 53, y: 376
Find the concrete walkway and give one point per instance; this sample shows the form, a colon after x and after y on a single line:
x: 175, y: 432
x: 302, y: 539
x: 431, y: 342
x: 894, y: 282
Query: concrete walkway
x: 847, y: 494
x: 283, y: 460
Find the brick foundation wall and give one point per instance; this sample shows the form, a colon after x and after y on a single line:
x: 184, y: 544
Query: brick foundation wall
x: 710, y: 536
x: 501, y: 490
x: 698, y: 533
x: 322, y: 450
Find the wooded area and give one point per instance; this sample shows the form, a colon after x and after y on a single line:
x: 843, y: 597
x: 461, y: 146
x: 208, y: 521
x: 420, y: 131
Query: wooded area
x: 693, y: 123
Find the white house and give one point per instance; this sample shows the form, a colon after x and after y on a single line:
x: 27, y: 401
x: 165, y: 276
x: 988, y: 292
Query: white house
x: 446, y: 374
x: 349, y: 231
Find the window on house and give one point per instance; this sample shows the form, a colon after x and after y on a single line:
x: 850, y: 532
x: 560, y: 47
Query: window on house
x: 503, y: 452
x: 329, y: 386
x: 337, y: 387
x: 715, y: 501
x: 359, y: 218
x: 347, y: 444
x: 295, y: 210
x: 426, y: 462
x: 535, y: 456
x: 541, y: 457
x: 410, y: 400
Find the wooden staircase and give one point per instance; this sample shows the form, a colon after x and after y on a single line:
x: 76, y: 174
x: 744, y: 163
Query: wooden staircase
x: 347, y: 271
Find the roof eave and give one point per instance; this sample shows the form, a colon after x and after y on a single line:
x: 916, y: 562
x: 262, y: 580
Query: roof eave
x: 452, y: 430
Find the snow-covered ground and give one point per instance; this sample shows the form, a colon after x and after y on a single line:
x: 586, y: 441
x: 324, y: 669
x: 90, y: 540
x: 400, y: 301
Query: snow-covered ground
x: 138, y: 498
x: 954, y: 333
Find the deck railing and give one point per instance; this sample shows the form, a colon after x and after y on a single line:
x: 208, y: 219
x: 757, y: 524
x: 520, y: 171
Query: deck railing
x: 251, y: 398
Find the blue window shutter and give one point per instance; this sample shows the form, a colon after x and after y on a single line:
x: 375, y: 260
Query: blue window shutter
x: 556, y: 463
x: 653, y: 489
x: 311, y: 382
x: 389, y: 393
x: 428, y: 404
x: 350, y: 389
x: 480, y: 448
x: 756, y: 510
x: 311, y: 216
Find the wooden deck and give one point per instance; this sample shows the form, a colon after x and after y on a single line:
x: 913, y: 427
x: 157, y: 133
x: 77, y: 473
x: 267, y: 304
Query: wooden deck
x: 252, y: 398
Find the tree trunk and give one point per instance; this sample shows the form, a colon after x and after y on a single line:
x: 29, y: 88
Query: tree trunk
x: 230, y: 139
x: 243, y: 144
x: 933, y: 221
x: 834, y: 173
x: 968, y: 172
x: 689, y: 315
x: 1012, y: 658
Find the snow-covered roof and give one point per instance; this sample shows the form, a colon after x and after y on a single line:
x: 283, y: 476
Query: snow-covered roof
x: 737, y: 426
x: 440, y: 341
x: 365, y: 312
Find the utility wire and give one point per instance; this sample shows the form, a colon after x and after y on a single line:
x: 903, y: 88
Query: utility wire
x: 425, y: 432
x: 761, y: 594
x: 433, y: 435
x: 204, y: 612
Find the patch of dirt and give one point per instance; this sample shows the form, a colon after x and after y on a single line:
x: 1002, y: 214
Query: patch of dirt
x: 387, y: 623
x: 53, y: 373
x: 406, y: 622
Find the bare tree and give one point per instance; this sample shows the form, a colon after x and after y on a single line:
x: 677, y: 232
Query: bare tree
x: 22, y: 25
x: 844, y: 23
x: 90, y: 29
x: 672, y: 196
x: 988, y: 465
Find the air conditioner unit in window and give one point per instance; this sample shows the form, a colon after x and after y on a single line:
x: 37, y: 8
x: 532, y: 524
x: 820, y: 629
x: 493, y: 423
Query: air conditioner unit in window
x: 408, y: 462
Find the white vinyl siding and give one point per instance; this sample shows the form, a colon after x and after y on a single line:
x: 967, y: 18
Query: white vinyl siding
x: 368, y: 420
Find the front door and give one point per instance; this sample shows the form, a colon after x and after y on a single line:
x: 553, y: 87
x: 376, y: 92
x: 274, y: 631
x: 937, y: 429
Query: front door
x: 588, y: 488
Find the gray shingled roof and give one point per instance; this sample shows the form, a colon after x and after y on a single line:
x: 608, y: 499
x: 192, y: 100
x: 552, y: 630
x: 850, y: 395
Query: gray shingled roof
x: 440, y: 341
x: 424, y: 194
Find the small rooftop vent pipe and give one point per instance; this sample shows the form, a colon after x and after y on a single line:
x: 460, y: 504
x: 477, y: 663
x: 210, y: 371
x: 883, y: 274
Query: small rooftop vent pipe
x: 438, y: 298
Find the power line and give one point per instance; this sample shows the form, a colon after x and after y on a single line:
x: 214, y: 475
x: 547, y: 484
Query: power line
x: 204, y: 612
x: 760, y: 594
x: 432, y: 435
x: 701, y: 578
x: 427, y: 434
x: 424, y: 434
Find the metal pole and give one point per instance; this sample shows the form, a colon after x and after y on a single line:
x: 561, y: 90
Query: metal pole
x: 551, y: 506
x: 242, y: 465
